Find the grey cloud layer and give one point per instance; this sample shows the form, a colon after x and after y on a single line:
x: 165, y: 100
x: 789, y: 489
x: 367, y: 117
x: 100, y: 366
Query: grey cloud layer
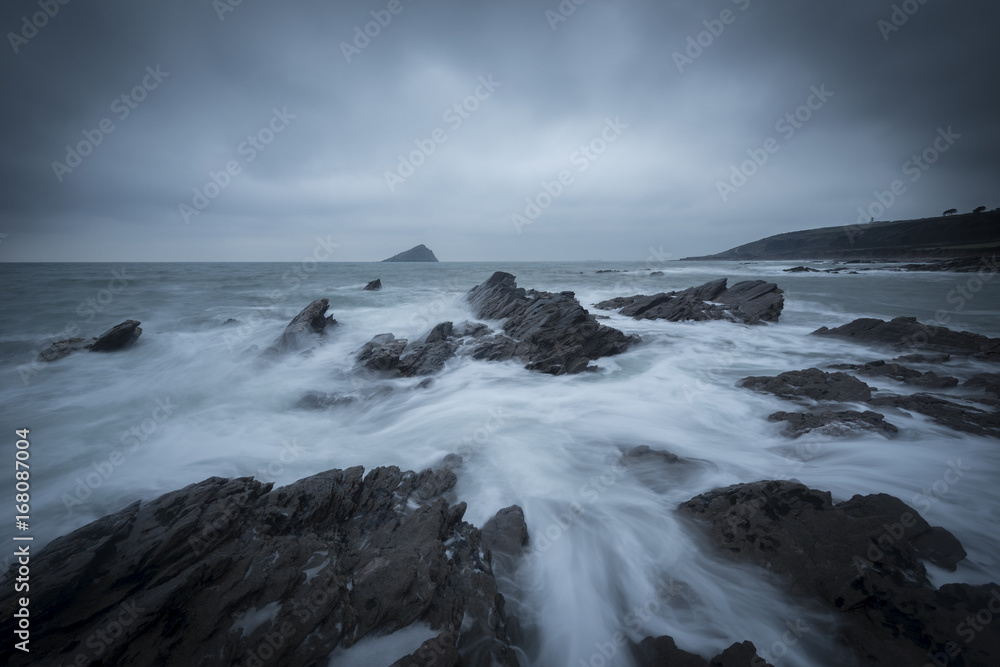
x: 325, y: 172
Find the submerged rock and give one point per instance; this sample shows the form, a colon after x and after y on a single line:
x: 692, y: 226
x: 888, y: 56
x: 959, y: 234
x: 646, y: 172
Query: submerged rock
x: 862, y: 558
x: 229, y: 570
x: 895, y: 371
x: 750, y: 302
x: 116, y: 338
x: 305, y: 328
x: 908, y: 334
x: 988, y: 382
x: 835, y: 424
x: 947, y: 413
x: 811, y: 383
x: 551, y: 333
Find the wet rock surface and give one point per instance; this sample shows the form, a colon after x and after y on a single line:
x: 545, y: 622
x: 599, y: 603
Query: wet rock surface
x: 900, y: 373
x: 663, y: 652
x: 906, y: 333
x: 116, y: 338
x: 750, y: 302
x: 374, y: 285
x: 811, y: 383
x: 305, y: 330
x: 226, y: 570
x: 551, y: 333
x: 954, y: 415
x: 861, y: 558
x: 834, y: 424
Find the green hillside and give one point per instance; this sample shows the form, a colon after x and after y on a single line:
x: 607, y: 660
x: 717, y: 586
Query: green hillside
x: 964, y: 235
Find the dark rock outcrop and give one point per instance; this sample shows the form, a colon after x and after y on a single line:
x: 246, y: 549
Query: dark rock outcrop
x: 750, y: 302
x: 381, y: 353
x: 420, y: 253
x: 836, y: 424
x: 304, y: 329
x: 862, y: 558
x: 551, y: 333
x: 116, y: 338
x: 895, y: 371
x: 947, y: 413
x: 227, y: 570
x: 987, y: 382
x: 385, y: 352
x: 802, y: 269
x: 663, y: 652
x: 374, y: 285
x: 923, y: 358
x: 905, y: 333
x: 811, y: 383
x: 506, y: 536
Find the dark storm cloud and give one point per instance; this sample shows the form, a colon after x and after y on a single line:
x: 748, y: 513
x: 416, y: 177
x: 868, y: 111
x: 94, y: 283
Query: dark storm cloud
x: 532, y: 89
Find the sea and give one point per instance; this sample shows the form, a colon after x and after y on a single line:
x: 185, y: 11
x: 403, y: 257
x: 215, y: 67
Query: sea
x: 193, y: 399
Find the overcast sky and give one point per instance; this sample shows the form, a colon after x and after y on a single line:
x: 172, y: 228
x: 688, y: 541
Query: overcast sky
x: 331, y: 111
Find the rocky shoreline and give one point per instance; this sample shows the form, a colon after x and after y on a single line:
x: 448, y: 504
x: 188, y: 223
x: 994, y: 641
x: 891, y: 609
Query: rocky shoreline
x: 237, y: 572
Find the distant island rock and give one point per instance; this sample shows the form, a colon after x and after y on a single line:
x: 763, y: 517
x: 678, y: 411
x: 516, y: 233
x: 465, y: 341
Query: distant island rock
x: 421, y: 253
x: 970, y: 235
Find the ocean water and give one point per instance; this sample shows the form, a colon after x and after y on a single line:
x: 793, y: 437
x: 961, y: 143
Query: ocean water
x: 192, y: 400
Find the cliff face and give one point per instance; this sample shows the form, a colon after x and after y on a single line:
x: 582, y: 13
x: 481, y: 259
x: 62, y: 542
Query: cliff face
x: 421, y: 253
x: 950, y: 236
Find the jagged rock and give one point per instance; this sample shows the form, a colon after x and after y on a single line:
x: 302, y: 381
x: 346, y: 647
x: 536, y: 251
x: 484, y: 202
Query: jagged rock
x: 304, y: 329
x: 750, y: 302
x: 506, y: 536
x: 930, y: 379
x: 230, y: 321
x: 385, y: 353
x: 550, y: 333
x: 663, y: 652
x: 811, y: 383
x: 862, y: 558
x: 116, y: 338
x: 373, y: 285
x: 946, y: 413
x: 430, y: 356
x: 907, y: 333
x: 229, y: 570
x: 806, y: 269
x: 836, y: 424
x: 381, y: 353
